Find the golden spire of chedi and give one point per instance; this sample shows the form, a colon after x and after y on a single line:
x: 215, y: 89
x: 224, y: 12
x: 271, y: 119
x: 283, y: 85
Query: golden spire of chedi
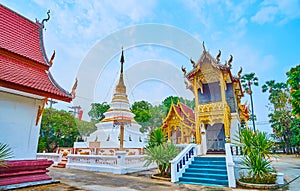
x: 120, y: 93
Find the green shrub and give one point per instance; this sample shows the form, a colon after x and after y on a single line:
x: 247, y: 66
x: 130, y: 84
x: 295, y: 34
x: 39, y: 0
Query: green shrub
x: 161, y: 155
x: 256, y: 153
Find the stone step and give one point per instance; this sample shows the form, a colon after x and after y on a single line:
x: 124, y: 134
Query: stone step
x: 197, y: 180
x: 209, y: 162
x: 206, y: 175
x: 210, y: 159
x: 207, y: 170
x: 207, y: 166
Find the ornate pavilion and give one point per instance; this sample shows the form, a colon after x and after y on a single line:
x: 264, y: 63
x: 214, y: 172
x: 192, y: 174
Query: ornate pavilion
x: 218, y: 109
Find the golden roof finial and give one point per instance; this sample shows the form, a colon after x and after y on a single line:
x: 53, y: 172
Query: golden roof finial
x: 218, y: 56
x: 120, y: 88
x: 52, y: 58
x: 230, y: 60
x: 203, y: 45
x: 240, y: 73
x: 74, y: 88
x: 193, y: 62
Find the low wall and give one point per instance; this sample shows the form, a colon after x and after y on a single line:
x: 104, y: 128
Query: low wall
x: 56, y: 158
x: 119, y: 164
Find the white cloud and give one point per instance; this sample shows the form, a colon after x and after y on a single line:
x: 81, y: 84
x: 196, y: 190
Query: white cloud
x: 221, y: 18
x: 75, y: 26
x: 265, y: 14
x: 268, y: 63
x: 277, y: 11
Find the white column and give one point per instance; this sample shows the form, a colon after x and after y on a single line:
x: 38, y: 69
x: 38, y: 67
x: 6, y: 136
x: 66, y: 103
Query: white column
x: 121, y: 158
x: 203, y: 139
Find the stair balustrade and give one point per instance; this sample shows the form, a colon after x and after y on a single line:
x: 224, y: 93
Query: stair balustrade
x: 233, y: 154
x: 182, y: 161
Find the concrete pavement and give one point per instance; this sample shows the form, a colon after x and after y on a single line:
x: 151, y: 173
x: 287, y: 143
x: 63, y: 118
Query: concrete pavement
x: 72, y: 179
x: 289, y: 165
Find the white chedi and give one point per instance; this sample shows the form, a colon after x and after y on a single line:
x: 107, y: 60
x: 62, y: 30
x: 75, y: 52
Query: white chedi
x: 108, y: 130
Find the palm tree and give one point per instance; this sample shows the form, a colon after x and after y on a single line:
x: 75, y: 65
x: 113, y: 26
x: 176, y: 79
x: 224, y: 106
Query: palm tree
x: 5, y: 153
x: 247, y: 80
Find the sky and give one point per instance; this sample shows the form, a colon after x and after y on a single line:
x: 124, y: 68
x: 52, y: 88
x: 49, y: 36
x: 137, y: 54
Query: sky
x: 158, y: 38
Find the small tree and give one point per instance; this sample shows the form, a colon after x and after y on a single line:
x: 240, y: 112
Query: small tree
x: 97, y: 111
x: 295, y: 131
x: 294, y: 84
x: 280, y: 116
x: 157, y: 114
x: 84, y: 127
x: 141, y: 109
x: 58, y: 128
x: 168, y: 101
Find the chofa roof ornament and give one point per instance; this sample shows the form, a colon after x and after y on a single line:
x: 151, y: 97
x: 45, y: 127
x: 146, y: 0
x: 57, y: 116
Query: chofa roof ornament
x: 47, y: 19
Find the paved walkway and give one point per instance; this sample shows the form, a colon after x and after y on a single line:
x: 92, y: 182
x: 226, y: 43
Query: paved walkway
x: 289, y: 165
x: 72, y: 179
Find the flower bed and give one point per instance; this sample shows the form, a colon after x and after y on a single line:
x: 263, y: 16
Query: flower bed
x: 258, y: 186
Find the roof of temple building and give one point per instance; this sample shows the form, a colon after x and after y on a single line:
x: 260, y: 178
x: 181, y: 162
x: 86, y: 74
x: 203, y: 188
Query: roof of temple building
x: 207, y: 62
x: 24, y: 65
x: 183, y: 112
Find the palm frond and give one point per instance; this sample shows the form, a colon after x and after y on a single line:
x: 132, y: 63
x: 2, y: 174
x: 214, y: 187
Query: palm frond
x: 5, y: 153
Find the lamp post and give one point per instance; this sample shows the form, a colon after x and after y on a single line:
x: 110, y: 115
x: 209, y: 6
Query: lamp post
x: 121, y: 121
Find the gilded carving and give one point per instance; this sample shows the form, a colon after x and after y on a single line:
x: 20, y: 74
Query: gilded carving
x: 40, y: 111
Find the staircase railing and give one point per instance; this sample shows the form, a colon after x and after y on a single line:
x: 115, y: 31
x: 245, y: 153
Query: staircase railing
x: 181, y: 161
x: 231, y: 150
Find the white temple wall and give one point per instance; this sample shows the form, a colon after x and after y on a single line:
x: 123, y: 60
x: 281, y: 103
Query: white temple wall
x: 17, y: 124
x: 234, y: 126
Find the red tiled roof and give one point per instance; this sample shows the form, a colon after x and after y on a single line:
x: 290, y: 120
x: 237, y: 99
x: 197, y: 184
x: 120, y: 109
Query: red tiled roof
x: 23, y: 61
x: 21, y: 36
x: 30, y: 78
x: 187, y: 110
x: 183, y: 114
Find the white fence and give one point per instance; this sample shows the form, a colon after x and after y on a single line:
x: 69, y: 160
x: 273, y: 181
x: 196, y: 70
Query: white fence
x: 120, y: 163
x: 92, y: 160
x: 182, y: 161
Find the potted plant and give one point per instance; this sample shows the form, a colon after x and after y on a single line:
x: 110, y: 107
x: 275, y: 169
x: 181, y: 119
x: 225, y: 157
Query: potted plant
x: 161, y: 155
x: 256, y: 147
x: 160, y: 152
